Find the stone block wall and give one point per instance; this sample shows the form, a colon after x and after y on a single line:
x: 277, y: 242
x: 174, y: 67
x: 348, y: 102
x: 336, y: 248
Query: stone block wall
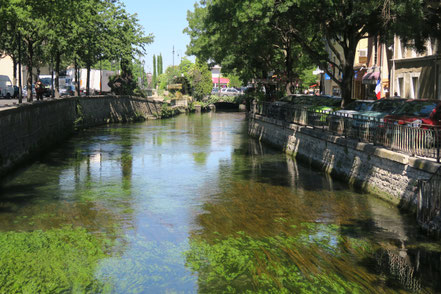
x: 31, y: 128
x: 391, y: 175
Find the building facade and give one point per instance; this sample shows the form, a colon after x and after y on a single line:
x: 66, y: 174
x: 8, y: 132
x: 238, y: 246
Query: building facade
x: 417, y: 75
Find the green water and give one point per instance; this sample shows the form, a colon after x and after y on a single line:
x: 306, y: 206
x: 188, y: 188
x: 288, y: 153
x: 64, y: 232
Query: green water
x: 192, y: 205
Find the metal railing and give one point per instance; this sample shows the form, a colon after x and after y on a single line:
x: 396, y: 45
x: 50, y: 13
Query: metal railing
x: 422, y: 141
x: 429, y: 199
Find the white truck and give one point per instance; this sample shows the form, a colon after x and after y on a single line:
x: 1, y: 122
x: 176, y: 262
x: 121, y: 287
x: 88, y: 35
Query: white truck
x: 6, y: 88
x: 99, y: 80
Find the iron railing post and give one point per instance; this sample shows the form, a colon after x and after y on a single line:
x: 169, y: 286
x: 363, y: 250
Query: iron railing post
x: 437, y: 143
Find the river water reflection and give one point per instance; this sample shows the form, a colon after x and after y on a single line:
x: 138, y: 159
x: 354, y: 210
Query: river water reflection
x: 192, y: 204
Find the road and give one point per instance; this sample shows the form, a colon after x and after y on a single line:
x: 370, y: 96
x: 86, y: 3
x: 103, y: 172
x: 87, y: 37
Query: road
x: 6, y: 103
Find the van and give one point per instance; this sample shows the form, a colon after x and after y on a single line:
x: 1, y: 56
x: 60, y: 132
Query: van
x: 6, y: 88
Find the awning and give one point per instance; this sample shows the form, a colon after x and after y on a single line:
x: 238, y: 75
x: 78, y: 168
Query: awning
x: 359, y: 74
x: 222, y: 80
x: 371, y: 77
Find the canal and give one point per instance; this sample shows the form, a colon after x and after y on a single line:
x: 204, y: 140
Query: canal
x: 193, y: 205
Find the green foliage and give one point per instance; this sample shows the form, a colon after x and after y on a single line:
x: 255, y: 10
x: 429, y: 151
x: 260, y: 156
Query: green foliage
x: 68, y: 32
x: 182, y: 80
x: 307, y: 78
x: 235, y: 81
x: 280, y: 264
x: 154, y: 77
x: 200, y: 79
x: 167, y: 111
x: 55, y: 261
x: 256, y: 37
x: 80, y: 116
x: 122, y: 84
x: 160, y: 65
x: 167, y: 78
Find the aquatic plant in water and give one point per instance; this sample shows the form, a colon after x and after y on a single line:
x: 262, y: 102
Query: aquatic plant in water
x: 312, y: 260
x: 54, y: 261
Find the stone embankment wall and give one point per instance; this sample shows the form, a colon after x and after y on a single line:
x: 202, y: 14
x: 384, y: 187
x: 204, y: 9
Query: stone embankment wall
x: 28, y: 129
x: 391, y: 175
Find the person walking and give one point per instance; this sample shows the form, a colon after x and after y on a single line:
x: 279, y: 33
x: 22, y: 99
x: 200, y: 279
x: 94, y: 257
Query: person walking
x: 39, y: 90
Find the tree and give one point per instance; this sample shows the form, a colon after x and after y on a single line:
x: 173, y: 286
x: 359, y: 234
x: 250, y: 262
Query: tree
x: 234, y: 81
x: 168, y: 76
x: 199, y: 75
x: 154, y: 78
x: 160, y: 65
x: 241, y: 38
x: 272, y: 35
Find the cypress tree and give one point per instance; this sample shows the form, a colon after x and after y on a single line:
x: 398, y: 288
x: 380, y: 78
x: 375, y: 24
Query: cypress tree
x: 154, y: 72
x: 160, y: 64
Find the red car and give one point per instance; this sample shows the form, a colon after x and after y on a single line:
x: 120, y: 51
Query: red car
x: 419, y: 113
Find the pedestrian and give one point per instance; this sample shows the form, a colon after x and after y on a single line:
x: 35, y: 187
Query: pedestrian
x: 39, y: 90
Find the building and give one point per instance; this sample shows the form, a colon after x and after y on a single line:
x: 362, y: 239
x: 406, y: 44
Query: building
x: 416, y: 75
x: 7, y: 67
x: 217, y: 79
x: 360, y: 69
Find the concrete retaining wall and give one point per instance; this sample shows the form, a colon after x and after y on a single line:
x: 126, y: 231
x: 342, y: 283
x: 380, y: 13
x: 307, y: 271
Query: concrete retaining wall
x: 30, y: 128
x: 391, y: 175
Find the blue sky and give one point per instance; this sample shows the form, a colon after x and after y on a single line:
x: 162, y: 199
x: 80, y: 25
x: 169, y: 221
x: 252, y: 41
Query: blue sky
x: 166, y: 20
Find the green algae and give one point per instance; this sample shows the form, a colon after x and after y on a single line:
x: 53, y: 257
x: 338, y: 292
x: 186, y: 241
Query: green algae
x: 54, y: 261
x: 298, y: 263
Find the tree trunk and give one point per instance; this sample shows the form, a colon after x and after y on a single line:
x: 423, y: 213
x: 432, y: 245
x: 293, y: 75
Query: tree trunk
x: 348, y: 75
x: 20, y: 86
x: 77, y: 79
x: 14, y: 78
x: 290, y: 87
x: 52, y: 78
x: 29, y: 67
x: 88, y: 81
x: 57, y: 74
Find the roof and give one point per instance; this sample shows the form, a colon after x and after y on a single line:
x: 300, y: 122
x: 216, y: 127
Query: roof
x: 222, y: 80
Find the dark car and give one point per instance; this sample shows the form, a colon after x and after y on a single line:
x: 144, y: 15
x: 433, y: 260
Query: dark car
x: 417, y: 113
x: 380, y: 109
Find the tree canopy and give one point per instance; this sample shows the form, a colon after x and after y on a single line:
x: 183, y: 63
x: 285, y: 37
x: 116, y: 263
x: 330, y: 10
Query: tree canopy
x: 258, y: 37
x: 80, y: 32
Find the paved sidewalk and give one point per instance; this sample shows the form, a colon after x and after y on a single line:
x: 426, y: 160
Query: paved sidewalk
x: 11, y: 103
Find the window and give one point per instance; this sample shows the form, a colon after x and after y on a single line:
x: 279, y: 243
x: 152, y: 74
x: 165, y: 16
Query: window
x: 401, y: 87
x: 403, y: 49
x: 414, y: 88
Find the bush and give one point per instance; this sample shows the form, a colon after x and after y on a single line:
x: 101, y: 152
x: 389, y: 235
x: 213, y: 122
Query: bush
x: 122, y: 84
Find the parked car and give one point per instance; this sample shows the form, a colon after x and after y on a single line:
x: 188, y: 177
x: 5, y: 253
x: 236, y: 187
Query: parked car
x: 423, y: 115
x: 68, y: 90
x: 325, y: 103
x: 355, y: 107
x: 229, y: 92
x: 417, y: 113
x: 6, y: 88
x: 379, y: 110
x: 215, y: 91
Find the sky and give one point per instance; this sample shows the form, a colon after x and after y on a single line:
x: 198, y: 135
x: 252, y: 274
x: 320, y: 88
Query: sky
x: 166, y: 20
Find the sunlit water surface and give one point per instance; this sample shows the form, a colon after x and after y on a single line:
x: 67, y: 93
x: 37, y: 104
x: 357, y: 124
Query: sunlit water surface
x: 192, y: 204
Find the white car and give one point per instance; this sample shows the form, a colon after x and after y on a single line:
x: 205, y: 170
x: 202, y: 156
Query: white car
x: 229, y: 92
